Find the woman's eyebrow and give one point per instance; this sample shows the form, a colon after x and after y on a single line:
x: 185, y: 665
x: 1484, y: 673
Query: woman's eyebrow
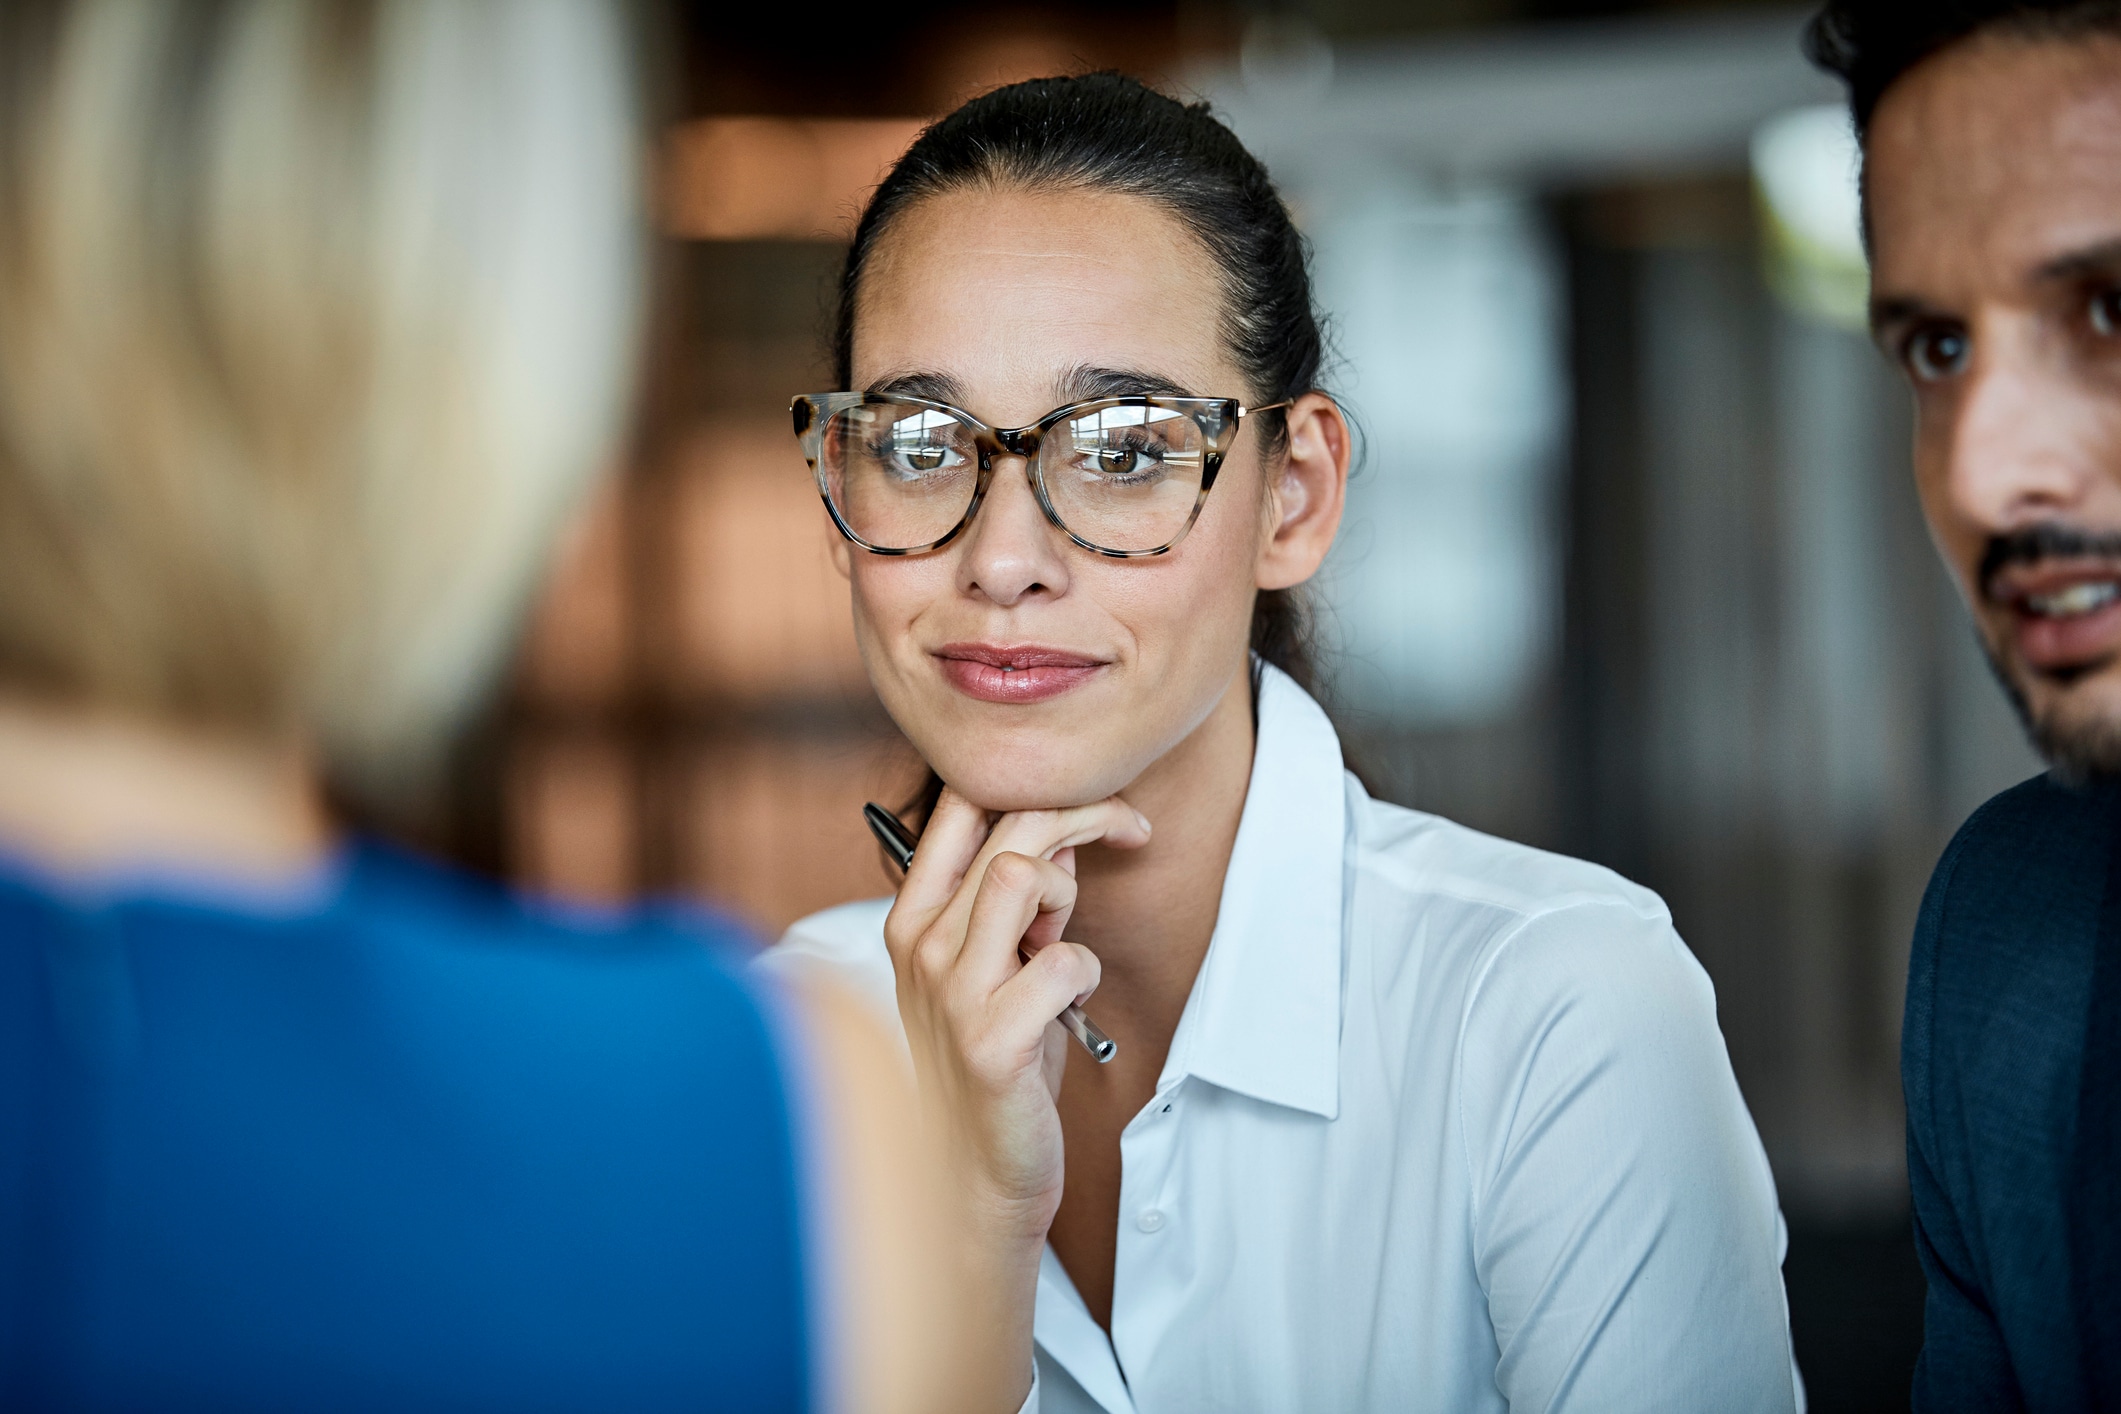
x: 1084, y: 383
x: 931, y: 387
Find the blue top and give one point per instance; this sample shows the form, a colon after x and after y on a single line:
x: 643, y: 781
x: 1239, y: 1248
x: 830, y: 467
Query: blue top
x: 2011, y: 1056
x: 398, y: 1143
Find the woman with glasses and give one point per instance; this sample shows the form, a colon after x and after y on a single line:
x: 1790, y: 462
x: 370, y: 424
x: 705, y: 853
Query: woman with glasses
x: 1392, y: 1115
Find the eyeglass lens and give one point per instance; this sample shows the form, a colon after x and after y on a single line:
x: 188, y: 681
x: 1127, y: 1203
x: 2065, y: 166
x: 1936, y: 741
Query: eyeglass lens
x: 1121, y: 478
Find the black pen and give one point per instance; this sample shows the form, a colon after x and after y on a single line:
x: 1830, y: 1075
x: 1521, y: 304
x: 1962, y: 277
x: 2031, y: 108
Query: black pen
x: 898, y: 842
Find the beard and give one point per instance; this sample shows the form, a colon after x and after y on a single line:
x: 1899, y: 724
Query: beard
x: 2077, y: 752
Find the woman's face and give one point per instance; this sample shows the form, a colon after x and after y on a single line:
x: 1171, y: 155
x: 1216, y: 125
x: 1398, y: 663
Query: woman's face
x: 1030, y: 672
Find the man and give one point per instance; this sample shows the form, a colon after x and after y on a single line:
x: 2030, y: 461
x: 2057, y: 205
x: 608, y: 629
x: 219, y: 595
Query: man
x: 1992, y: 188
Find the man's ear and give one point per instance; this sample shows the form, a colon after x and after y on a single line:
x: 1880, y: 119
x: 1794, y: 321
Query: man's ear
x: 842, y: 556
x: 1306, y: 493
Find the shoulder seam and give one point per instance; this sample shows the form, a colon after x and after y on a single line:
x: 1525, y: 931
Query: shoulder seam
x: 1455, y: 888
x: 1451, y: 884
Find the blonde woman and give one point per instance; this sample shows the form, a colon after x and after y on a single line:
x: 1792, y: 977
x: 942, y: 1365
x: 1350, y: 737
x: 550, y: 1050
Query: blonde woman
x: 314, y: 320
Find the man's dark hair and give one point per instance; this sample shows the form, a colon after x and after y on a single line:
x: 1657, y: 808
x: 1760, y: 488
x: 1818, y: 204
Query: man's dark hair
x: 1871, y: 43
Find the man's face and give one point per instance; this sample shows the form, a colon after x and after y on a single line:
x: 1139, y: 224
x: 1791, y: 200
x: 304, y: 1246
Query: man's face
x: 1993, y: 187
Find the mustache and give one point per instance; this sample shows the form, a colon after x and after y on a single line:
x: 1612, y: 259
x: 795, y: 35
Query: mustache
x: 2042, y: 542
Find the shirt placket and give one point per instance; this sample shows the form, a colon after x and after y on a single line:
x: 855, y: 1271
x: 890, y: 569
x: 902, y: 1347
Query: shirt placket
x: 1150, y: 1266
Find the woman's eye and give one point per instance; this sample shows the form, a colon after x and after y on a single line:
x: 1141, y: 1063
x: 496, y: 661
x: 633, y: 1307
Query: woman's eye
x: 1125, y: 460
x: 2105, y: 312
x: 922, y: 457
x: 1933, y: 355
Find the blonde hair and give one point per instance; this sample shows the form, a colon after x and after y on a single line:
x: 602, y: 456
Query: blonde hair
x: 315, y: 318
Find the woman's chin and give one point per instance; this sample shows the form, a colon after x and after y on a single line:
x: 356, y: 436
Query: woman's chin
x: 1004, y: 800
x: 1004, y: 785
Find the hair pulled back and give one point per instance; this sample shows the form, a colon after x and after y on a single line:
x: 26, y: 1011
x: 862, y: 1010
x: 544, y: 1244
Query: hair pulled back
x: 1108, y: 132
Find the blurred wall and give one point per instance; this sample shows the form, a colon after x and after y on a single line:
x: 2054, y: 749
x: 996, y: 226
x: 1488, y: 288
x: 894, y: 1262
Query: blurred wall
x: 1771, y: 707
x: 693, y: 715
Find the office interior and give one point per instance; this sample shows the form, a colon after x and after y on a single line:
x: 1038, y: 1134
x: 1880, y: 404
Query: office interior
x: 1632, y: 567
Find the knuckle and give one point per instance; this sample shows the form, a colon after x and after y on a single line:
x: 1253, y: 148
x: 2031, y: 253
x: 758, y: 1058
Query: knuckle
x: 898, y: 938
x: 1085, y: 961
x: 1063, y: 964
x: 930, y: 959
x: 1015, y: 872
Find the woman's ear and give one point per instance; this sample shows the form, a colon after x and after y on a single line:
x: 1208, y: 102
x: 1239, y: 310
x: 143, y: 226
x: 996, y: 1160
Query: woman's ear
x: 842, y: 555
x: 1306, y: 493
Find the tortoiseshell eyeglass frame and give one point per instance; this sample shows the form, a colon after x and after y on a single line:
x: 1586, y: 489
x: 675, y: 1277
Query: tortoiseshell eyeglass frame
x: 1217, y: 418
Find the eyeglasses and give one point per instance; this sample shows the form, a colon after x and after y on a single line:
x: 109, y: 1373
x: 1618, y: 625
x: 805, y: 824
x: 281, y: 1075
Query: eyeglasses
x: 1124, y: 477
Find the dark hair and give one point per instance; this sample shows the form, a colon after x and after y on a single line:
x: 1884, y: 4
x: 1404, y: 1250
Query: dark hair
x: 1108, y: 132
x: 1871, y: 43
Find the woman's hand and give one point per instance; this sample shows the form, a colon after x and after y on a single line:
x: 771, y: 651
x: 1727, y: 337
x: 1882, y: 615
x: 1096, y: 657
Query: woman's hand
x: 987, y: 1049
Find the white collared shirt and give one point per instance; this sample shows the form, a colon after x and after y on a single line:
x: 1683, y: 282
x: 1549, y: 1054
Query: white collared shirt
x: 1447, y: 1125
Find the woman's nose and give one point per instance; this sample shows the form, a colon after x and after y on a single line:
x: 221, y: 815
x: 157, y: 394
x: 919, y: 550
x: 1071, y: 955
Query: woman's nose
x: 1011, y: 550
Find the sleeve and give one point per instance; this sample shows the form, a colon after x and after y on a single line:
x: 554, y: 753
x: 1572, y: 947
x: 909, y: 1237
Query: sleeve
x: 1964, y: 1364
x: 1625, y: 1227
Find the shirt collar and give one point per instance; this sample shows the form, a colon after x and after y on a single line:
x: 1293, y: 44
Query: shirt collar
x: 1264, y: 1015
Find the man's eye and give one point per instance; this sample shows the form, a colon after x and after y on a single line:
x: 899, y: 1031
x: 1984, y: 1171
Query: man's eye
x: 1933, y: 355
x: 2105, y: 312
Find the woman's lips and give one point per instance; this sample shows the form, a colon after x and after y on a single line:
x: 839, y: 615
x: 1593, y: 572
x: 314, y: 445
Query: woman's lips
x: 999, y: 673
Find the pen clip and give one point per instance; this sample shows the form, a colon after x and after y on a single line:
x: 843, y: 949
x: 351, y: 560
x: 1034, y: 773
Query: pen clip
x: 891, y: 833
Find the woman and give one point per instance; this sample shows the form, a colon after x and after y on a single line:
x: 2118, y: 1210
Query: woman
x: 1401, y: 1116
x: 315, y: 318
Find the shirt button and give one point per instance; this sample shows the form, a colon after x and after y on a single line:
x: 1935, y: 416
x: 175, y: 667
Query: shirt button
x: 1150, y: 1220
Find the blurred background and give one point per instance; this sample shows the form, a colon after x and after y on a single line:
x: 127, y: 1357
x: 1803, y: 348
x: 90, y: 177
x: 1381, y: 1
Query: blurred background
x: 1632, y: 566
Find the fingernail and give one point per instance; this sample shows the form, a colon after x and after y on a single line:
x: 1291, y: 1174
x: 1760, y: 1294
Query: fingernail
x: 1142, y: 820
